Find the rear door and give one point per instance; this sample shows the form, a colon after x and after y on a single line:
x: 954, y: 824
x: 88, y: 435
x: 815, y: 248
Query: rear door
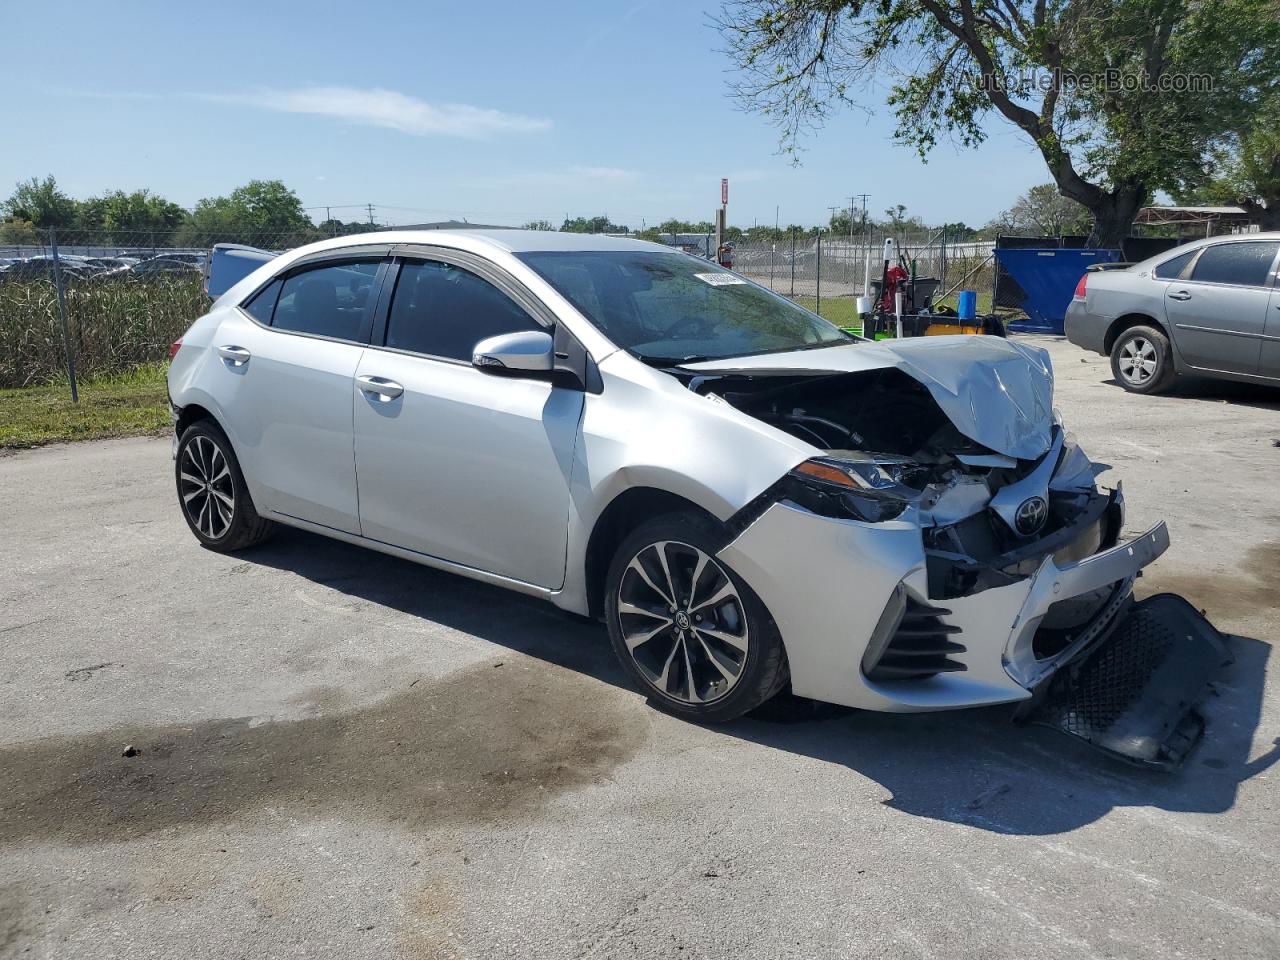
x: 1219, y: 313
x: 462, y: 465
x: 1269, y: 358
x: 288, y: 360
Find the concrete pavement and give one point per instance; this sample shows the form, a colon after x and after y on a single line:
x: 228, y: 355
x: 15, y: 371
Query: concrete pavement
x: 343, y: 754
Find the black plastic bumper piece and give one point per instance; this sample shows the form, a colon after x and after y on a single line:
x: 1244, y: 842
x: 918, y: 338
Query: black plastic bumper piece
x: 1134, y: 694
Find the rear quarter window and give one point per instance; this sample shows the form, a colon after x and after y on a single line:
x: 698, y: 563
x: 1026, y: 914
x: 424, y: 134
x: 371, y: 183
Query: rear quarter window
x: 1172, y: 268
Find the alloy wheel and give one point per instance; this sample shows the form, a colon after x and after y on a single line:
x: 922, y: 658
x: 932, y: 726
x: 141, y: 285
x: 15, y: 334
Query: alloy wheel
x: 206, y: 489
x: 1138, y: 360
x: 683, y: 622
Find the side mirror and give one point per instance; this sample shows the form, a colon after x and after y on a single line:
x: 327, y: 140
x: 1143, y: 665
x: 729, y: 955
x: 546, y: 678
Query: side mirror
x: 531, y: 351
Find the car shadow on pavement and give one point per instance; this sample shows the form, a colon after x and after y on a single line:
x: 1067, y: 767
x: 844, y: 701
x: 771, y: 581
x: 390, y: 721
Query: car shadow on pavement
x: 972, y: 767
x: 1233, y: 392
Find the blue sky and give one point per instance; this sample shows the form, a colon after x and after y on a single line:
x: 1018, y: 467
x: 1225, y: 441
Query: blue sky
x: 499, y: 112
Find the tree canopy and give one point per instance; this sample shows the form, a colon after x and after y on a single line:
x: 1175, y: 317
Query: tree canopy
x: 261, y: 212
x: 41, y: 203
x: 1121, y: 98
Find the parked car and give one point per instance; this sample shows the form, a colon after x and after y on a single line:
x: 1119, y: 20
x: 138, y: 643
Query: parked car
x: 41, y: 268
x: 158, y: 266
x: 110, y: 265
x: 748, y: 496
x: 1209, y: 309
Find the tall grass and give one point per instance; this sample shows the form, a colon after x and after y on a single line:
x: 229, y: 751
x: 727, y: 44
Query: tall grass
x: 115, y: 324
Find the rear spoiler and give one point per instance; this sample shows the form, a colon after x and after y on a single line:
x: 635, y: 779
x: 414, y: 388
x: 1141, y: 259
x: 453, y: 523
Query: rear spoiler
x: 229, y: 263
x: 1100, y: 267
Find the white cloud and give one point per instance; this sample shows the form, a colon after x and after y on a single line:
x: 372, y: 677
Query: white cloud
x: 388, y: 108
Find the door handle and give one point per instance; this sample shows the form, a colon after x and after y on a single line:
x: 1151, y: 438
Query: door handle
x: 1180, y: 295
x: 381, y: 387
x: 237, y: 355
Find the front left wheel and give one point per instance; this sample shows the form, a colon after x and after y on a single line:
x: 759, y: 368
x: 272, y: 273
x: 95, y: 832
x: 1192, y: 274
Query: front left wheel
x: 689, y: 630
x: 211, y: 491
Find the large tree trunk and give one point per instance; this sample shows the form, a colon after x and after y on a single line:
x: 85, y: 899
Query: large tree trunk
x: 1113, y: 212
x: 1268, y: 217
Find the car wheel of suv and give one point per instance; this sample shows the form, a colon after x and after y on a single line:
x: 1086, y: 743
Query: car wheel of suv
x: 211, y: 491
x: 1141, y: 360
x: 690, y: 632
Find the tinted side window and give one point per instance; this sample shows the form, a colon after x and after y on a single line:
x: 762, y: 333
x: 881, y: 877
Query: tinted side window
x: 1245, y: 263
x: 264, y: 302
x: 444, y: 311
x: 327, y: 301
x: 1170, y: 269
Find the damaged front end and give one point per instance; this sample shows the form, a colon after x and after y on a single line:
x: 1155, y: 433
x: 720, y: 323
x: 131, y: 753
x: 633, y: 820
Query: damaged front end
x: 1009, y: 564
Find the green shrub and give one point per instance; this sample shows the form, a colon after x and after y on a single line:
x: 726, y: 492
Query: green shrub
x: 115, y: 324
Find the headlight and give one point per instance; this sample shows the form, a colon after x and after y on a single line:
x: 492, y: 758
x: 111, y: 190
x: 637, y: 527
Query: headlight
x: 865, y: 487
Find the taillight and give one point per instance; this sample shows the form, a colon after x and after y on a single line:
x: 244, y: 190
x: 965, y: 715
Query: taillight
x: 174, y: 348
x: 1084, y: 281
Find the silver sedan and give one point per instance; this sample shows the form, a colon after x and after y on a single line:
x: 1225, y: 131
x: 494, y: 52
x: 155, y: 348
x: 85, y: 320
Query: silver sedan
x: 749, y: 497
x: 1209, y: 309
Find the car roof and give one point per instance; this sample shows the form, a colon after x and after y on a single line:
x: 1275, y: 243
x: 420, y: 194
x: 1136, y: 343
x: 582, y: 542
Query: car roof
x: 506, y: 241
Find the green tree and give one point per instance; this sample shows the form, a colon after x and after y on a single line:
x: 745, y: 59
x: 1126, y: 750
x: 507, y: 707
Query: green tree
x: 958, y: 232
x: 600, y: 224
x: 539, y: 225
x: 1044, y: 211
x: 137, y: 217
x: 262, y: 212
x: 42, y: 204
x: 19, y: 231
x: 1121, y: 98
x: 1245, y: 170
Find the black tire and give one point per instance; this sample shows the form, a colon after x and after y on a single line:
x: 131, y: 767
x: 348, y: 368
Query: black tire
x: 1142, y: 360
x: 726, y: 681
x: 204, y: 451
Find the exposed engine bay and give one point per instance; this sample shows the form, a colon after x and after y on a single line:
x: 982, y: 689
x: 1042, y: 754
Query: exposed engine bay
x: 987, y: 519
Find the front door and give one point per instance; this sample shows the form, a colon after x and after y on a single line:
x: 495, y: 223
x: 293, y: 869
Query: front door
x: 1218, y: 315
x: 458, y: 464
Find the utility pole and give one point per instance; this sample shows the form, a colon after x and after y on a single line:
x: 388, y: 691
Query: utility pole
x: 866, y: 229
x: 369, y: 207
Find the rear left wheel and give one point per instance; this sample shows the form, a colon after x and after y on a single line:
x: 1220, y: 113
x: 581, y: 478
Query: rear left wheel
x: 690, y: 632
x: 212, y: 493
x: 1142, y: 361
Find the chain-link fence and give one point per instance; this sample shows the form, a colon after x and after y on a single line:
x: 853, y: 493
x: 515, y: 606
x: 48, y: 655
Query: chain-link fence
x: 827, y: 272
x: 127, y: 295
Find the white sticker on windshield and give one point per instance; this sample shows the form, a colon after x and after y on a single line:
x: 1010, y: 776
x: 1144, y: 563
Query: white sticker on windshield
x: 719, y: 279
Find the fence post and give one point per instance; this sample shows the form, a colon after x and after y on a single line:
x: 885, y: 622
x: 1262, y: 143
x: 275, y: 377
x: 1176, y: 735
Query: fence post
x: 62, y: 315
x: 773, y: 255
x: 793, y: 262
x: 818, y: 297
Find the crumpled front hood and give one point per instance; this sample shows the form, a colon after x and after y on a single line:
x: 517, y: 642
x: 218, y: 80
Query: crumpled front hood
x: 997, y: 392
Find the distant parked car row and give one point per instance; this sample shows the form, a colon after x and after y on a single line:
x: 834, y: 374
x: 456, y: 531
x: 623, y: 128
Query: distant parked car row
x: 77, y: 268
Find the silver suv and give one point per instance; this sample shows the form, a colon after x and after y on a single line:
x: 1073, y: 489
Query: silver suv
x: 1209, y: 308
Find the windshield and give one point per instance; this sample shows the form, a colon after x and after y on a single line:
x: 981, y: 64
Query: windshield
x: 673, y: 307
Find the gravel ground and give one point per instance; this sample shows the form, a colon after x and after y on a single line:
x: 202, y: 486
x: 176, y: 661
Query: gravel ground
x: 342, y: 754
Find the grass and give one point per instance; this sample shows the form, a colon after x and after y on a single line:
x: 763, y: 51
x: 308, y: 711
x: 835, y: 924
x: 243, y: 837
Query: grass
x: 114, y: 325
x: 120, y: 405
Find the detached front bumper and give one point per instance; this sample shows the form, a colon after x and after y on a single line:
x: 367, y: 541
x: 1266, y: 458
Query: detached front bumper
x: 831, y: 585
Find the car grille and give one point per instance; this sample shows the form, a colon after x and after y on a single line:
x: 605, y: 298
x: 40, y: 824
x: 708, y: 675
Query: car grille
x: 921, y: 646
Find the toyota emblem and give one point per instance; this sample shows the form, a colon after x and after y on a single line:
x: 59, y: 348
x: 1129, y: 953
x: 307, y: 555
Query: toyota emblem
x: 1031, y: 515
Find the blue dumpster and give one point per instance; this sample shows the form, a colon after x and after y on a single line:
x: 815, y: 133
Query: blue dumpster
x: 1048, y: 277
